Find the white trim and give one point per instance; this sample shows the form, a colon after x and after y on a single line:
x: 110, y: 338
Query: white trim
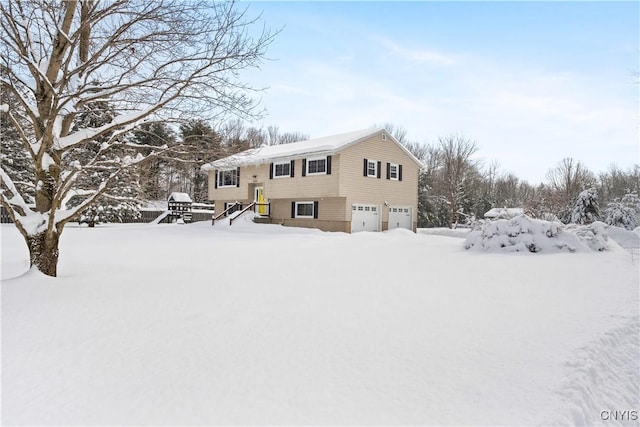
x: 281, y: 176
x: 221, y: 181
x: 375, y: 168
x: 391, y: 166
x: 305, y: 216
x: 314, y: 159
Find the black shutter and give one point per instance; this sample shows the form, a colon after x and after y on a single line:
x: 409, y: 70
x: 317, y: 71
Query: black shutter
x: 238, y: 176
x: 293, y: 209
x: 400, y: 172
x: 293, y: 167
x: 388, y: 170
x: 379, y: 167
x: 315, y: 210
x: 304, y: 167
x: 328, y: 165
x: 270, y: 170
x: 216, y: 181
x: 366, y: 163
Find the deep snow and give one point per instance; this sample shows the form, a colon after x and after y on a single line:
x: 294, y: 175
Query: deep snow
x: 254, y: 324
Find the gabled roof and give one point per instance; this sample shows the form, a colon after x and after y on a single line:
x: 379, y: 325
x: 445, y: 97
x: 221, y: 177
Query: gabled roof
x: 326, y: 145
x: 180, y: 197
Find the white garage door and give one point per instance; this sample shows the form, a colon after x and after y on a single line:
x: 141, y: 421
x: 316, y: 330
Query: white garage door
x: 400, y: 217
x: 365, y: 218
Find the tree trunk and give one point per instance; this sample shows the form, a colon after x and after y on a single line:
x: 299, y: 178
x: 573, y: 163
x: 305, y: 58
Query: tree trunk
x: 43, y: 252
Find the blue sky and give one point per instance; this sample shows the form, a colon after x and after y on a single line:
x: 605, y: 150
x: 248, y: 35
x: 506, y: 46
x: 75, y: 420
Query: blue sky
x: 530, y: 82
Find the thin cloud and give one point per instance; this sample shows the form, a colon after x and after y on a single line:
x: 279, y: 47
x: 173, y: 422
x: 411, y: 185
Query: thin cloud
x: 416, y: 55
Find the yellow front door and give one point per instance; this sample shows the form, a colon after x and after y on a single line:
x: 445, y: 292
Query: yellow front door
x: 262, y: 209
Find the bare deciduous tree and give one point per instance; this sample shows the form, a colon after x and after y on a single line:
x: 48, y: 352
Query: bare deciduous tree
x: 566, y: 180
x: 161, y: 60
x: 458, y: 169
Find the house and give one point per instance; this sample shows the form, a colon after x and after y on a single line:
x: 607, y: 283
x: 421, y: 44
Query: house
x: 503, y: 213
x: 358, y: 181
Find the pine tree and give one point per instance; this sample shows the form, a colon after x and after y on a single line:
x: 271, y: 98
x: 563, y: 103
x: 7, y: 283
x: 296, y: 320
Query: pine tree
x: 203, y: 145
x: 14, y: 157
x: 155, y: 177
x: 121, y: 201
x: 623, y: 212
x: 585, y: 208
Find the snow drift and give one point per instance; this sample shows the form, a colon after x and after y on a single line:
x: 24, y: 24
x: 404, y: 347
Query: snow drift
x: 268, y: 325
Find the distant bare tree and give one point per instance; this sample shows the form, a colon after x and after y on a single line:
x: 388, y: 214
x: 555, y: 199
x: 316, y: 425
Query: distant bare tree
x: 566, y: 180
x: 421, y: 151
x: 289, y: 137
x: 159, y: 60
x: 397, y: 131
x: 274, y: 137
x: 458, y: 169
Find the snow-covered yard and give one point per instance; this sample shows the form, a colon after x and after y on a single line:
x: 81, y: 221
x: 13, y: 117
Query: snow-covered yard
x: 258, y: 324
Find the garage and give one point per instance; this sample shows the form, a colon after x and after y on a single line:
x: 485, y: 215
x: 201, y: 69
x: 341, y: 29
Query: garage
x: 365, y: 218
x: 400, y: 217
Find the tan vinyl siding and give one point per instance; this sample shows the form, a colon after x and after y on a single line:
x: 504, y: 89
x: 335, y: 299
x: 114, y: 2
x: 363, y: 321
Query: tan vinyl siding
x: 303, y: 186
x: 357, y: 188
x: 329, y: 209
x: 245, y: 191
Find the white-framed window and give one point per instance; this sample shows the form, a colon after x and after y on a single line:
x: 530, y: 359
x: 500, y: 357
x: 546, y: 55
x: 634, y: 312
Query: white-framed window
x: 282, y: 170
x: 384, y: 136
x: 393, y: 171
x: 227, y: 178
x: 304, y: 210
x: 317, y: 166
x: 372, y: 168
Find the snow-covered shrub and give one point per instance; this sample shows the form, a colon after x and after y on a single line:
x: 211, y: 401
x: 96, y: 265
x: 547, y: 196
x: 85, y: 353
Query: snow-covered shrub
x: 525, y: 234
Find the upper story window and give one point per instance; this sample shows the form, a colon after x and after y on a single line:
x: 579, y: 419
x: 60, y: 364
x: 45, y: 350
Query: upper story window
x: 228, y: 178
x: 393, y: 171
x: 317, y: 166
x: 372, y: 168
x: 281, y: 170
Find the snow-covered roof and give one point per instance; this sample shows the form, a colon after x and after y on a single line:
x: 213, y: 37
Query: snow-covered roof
x: 326, y: 145
x: 154, y: 205
x: 180, y: 197
x: 503, y: 212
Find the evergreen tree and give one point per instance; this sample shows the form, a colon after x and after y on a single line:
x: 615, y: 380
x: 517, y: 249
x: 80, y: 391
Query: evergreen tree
x: 120, y: 202
x: 585, y: 208
x: 14, y: 157
x: 203, y: 145
x: 623, y: 211
x: 154, y: 176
